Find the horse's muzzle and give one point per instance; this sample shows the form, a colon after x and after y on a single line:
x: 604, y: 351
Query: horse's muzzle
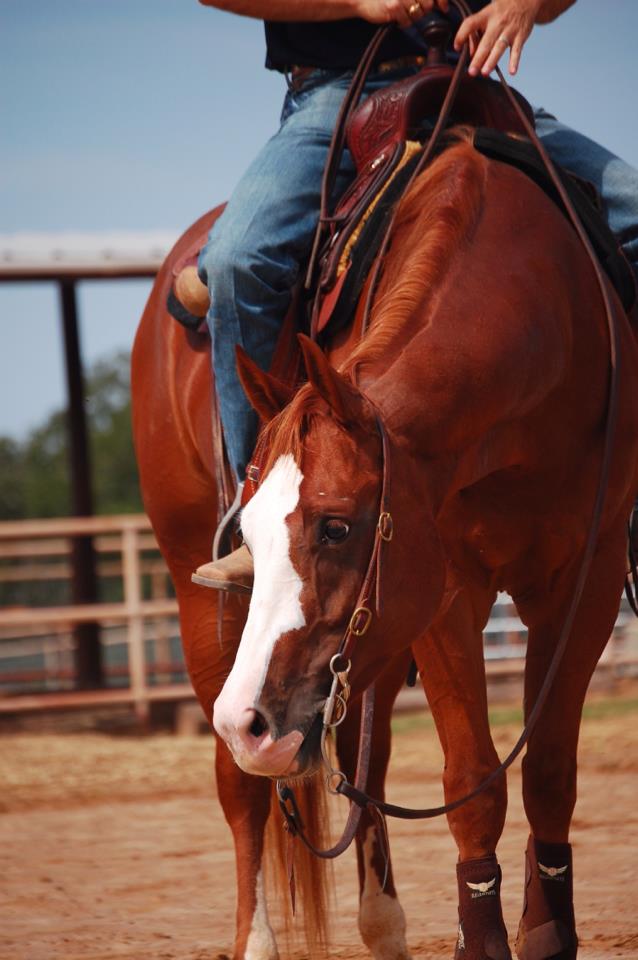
x: 252, y: 745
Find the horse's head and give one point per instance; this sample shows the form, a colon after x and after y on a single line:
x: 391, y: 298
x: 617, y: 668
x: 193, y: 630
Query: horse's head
x: 311, y: 529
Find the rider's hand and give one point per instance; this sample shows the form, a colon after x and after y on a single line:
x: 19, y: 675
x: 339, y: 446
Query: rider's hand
x: 499, y: 25
x: 403, y: 12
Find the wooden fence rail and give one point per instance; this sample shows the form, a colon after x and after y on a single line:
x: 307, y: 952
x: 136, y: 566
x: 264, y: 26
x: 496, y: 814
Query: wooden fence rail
x: 128, y: 535
x: 126, y: 543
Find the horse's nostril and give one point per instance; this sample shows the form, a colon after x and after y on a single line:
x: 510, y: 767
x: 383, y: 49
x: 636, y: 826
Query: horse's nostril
x: 258, y: 726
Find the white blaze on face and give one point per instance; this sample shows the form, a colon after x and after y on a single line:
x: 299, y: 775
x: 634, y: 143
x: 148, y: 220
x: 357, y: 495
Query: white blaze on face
x: 275, y: 606
x: 381, y: 917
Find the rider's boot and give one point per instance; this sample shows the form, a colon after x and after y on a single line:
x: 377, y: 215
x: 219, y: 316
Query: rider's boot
x: 482, y: 933
x: 191, y: 292
x: 234, y: 572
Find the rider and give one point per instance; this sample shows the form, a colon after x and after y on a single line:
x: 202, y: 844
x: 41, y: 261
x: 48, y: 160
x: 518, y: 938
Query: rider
x: 252, y: 259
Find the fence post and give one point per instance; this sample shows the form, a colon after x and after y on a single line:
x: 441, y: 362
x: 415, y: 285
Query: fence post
x: 135, y: 621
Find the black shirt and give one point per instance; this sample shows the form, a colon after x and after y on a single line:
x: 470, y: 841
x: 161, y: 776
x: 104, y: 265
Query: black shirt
x: 334, y: 44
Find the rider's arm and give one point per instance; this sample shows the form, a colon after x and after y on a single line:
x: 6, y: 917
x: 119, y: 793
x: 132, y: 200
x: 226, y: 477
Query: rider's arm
x: 551, y: 9
x: 502, y: 24
x: 374, y: 11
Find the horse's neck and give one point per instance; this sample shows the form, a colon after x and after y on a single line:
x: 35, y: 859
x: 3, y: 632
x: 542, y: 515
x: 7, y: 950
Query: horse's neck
x: 496, y: 342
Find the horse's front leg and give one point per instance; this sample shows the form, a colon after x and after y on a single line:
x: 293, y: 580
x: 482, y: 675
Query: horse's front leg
x: 547, y: 928
x: 381, y: 917
x: 450, y: 661
x: 245, y: 801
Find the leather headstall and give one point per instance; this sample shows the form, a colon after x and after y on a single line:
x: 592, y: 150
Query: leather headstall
x: 336, y: 704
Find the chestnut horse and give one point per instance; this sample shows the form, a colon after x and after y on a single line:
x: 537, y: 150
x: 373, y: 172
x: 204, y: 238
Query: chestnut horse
x: 173, y: 394
x: 487, y: 363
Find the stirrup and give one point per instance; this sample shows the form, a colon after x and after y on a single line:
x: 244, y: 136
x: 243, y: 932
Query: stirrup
x: 237, y: 577
x: 225, y: 522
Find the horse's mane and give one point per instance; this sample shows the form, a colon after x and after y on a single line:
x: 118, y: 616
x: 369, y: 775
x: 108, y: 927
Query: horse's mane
x: 435, y: 218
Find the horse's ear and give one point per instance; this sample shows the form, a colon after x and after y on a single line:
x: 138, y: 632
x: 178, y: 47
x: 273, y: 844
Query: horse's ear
x: 328, y: 382
x: 267, y: 395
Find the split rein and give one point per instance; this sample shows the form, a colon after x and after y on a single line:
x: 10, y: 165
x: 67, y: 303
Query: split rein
x: 360, y: 621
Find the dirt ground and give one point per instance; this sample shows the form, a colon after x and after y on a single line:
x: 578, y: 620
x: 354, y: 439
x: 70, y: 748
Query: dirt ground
x: 116, y: 847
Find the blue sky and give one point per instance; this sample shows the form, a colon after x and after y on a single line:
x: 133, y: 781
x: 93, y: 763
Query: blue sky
x: 141, y: 114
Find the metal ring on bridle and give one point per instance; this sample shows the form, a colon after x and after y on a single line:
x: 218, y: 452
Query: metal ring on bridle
x: 336, y: 668
x: 330, y: 777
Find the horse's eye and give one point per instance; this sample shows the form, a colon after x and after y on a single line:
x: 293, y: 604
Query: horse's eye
x: 334, y: 530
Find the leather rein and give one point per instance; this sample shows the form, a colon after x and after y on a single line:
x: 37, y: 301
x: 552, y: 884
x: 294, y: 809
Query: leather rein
x: 361, y: 619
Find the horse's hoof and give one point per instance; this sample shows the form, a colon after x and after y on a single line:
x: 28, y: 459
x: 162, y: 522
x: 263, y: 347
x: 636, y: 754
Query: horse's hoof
x: 549, y: 941
x: 547, y: 929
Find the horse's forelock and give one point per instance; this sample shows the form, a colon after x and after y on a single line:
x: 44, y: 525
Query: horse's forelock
x: 285, y: 434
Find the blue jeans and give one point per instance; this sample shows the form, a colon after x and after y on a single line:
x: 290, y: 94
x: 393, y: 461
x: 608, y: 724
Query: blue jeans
x: 252, y: 259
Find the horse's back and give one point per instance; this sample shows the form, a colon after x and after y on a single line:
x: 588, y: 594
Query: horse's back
x: 171, y: 385
x: 171, y: 392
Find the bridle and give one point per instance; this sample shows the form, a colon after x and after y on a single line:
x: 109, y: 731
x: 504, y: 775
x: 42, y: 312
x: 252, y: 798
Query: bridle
x: 340, y: 665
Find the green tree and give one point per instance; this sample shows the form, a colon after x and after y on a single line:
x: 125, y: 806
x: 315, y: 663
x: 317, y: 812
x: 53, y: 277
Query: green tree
x: 12, y: 501
x: 34, y: 474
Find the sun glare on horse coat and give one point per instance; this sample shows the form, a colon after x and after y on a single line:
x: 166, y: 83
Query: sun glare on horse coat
x: 275, y: 609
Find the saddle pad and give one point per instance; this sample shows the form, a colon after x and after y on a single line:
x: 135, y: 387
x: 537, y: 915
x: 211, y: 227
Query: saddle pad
x: 522, y: 154
x: 360, y: 251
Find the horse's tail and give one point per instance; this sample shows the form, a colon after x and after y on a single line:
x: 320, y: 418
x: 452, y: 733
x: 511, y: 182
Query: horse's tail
x: 311, y: 874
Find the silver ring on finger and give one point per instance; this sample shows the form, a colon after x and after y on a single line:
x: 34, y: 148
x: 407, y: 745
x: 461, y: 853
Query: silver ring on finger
x: 415, y: 10
x: 504, y: 40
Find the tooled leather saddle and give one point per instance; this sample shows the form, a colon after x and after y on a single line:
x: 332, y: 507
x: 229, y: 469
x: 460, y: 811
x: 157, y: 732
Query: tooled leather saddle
x: 384, y: 137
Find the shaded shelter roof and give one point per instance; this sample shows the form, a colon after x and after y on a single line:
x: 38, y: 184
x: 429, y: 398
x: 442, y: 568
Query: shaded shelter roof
x: 31, y: 256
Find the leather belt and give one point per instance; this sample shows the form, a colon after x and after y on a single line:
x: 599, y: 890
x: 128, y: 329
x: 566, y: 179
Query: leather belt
x: 298, y: 75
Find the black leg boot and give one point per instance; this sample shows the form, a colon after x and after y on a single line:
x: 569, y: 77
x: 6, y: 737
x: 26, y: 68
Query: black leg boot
x: 482, y: 933
x: 547, y: 930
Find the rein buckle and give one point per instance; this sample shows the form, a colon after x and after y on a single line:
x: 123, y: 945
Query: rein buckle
x: 360, y: 621
x: 385, y: 527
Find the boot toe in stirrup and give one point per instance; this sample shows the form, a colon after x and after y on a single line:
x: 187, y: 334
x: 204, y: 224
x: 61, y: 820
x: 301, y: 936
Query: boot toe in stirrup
x: 233, y: 573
